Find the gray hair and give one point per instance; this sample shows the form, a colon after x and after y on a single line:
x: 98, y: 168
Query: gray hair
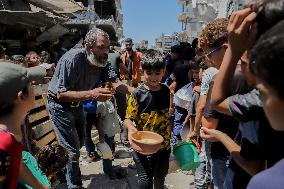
x: 92, y: 35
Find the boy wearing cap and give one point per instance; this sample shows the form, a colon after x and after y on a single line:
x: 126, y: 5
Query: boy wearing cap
x: 16, y: 99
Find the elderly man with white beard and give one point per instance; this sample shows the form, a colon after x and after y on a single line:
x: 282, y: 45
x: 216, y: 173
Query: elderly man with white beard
x: 73, y: 81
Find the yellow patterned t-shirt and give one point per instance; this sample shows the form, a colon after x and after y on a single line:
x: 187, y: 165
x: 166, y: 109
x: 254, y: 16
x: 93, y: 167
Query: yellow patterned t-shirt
x: 150, y: 111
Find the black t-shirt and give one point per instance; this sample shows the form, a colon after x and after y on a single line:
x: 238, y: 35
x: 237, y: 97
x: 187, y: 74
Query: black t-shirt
x: 181, y: 76
x: 169, y: 64
x: 152, y: 100
x: 263, y: 142
x: 226, y: 124
x: 256, y: 138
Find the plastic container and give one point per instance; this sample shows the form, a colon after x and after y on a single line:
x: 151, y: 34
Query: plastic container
x: 183, y: 96
x: 186, y: 156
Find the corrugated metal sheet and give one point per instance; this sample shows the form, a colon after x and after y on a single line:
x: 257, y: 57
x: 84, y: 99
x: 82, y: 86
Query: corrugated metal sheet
x: 59, y: 6
x: 28, y: 18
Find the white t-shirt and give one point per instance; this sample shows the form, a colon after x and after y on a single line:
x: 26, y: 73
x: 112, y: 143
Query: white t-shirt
x: 207, y: 77
x: 108, y: 113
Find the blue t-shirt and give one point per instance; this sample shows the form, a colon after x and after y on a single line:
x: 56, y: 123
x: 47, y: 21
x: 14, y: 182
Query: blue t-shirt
x: 74, y: 73
x: 272, y: 178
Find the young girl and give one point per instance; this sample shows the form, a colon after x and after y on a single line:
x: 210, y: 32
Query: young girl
x: 52, y: 159
x: 108, y: 126
x: 48, y: 161
x: 32, y: 59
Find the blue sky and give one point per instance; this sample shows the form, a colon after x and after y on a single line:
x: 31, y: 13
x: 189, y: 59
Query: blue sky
x: 147, y: 19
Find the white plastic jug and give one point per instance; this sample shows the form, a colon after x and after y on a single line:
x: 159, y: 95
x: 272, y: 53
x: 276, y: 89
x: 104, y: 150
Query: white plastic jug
x: 183, y: 96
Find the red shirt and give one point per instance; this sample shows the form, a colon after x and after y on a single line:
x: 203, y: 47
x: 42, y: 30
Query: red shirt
x: 136, y: 75
x: 10, y: 160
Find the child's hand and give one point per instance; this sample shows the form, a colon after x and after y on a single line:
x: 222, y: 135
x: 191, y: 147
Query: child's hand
x: 171, y: 111
x: 130, y: 132
x: 196, y: 89
x: 241, y: 33
x: 211, y: 135
x: 191, y: 135
x: 185, y: 122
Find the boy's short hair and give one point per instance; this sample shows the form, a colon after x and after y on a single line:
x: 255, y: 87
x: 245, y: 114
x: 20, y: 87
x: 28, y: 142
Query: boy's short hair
x: 194, y: 43
x: 214, y: 34
x: 269, y: 12
x: 267, y: 60
x: 129, y: 40
x: 52, y: 158
x: 18, y: 59
x: 195, y: 66
x: 176, y: 49
x: 188, y: 53
x: 13, y: 79
x: 152, y: 60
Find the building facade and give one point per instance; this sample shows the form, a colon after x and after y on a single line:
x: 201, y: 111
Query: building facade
x: 164, y: 42
x: 104, y: 14
x: 197, y: 13
x: 142, y: 45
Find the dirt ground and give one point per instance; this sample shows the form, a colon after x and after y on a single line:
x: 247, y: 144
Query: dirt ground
x: 94, y: 178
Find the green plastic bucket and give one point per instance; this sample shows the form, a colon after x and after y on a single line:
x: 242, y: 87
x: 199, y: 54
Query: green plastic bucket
x: 186, y: 156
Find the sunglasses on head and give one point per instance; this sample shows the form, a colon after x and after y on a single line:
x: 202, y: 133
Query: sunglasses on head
x: 210, y: 54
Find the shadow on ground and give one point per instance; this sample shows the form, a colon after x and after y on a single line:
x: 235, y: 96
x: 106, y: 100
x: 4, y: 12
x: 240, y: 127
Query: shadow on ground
x: 101, y: 181
x: 123, y: 154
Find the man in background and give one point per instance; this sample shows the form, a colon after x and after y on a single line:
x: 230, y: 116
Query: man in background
x: 131, y: 60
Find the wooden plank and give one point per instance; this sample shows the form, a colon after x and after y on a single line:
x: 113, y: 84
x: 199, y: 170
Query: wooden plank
x: 39, y: 102
x: 54, y: 142
x: 46, y: 140
x: 44, y: 96
x: 39, y: 89
x: 42, y: 129
x: 36, y: 116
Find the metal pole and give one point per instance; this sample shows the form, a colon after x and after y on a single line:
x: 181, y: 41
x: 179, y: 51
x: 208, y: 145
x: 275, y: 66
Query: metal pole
x: 91, y: 5
x: 101, y: 9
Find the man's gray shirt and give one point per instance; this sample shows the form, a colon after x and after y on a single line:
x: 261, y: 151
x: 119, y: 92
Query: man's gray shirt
x: 74, y: 73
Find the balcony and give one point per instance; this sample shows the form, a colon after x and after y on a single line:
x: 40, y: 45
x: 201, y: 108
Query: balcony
x: 119, y: 18
x: 108, y: 24
x: 105, y: 7
x: 119, y: 33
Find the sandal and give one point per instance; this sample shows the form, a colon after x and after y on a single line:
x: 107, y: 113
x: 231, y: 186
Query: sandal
x: 93, y: 157
x: 115, y: 155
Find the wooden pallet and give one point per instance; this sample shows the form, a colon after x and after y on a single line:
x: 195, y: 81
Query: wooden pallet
x: 39, y: 119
